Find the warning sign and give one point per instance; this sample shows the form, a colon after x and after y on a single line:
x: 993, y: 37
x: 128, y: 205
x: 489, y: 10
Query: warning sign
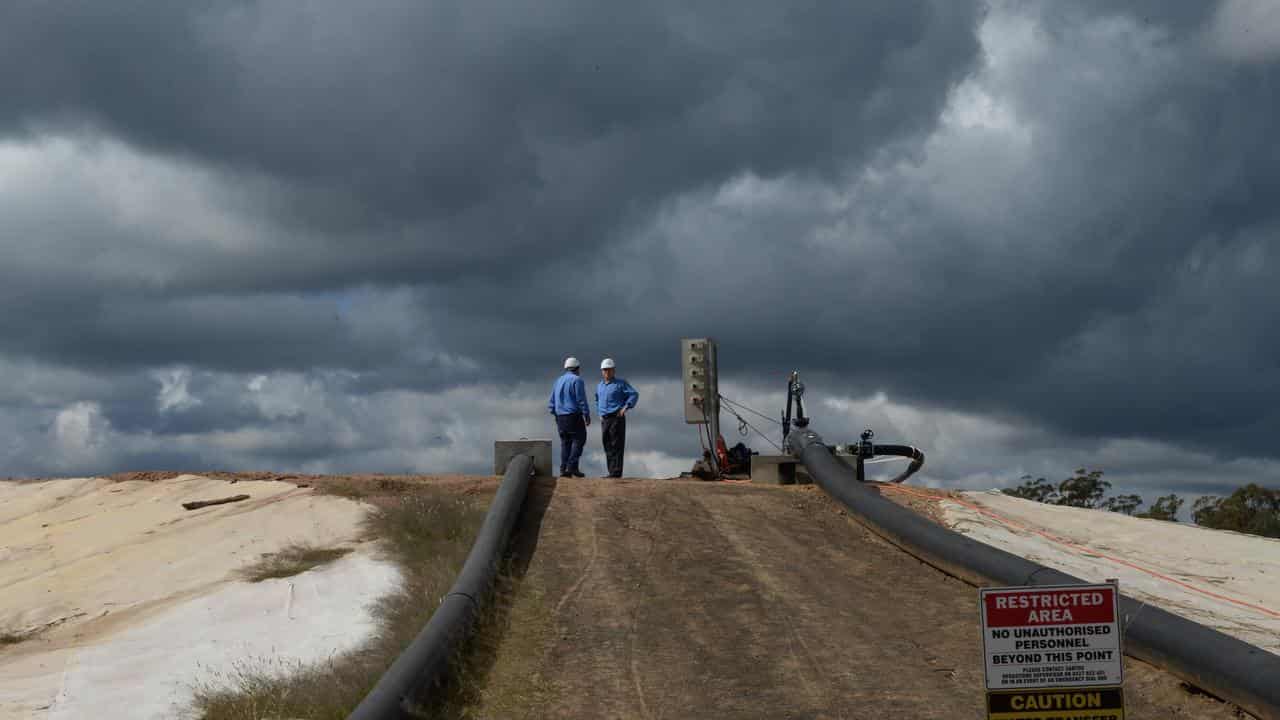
x: 1051, y: 637
x: 1090, y: 704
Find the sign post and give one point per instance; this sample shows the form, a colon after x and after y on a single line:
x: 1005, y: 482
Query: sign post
x: 1053, y: 652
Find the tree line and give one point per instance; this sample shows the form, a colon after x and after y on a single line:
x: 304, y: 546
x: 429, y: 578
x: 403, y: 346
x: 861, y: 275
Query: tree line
x: 1252, y: 509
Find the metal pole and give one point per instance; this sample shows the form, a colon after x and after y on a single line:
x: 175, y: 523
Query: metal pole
x: 713, y: 398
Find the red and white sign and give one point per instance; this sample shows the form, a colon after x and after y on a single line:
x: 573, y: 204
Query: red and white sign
x: 1051, y: 636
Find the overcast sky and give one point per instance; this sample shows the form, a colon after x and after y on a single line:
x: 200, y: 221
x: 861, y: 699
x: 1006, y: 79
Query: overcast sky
x: 324, y: 236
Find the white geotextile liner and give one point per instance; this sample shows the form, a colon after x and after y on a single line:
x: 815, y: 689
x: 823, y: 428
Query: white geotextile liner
x: 141, y: 601
x: 1225, y: 580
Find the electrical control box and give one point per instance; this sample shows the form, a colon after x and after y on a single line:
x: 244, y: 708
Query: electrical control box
x: 701, y: 390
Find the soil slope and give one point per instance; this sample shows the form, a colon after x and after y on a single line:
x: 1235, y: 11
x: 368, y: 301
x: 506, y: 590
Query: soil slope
x: 680, y: 599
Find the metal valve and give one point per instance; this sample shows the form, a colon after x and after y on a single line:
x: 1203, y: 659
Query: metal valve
x: 865, y: 448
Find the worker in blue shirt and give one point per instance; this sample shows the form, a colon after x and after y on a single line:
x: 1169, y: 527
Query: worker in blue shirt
x: 614, y: 397
x: 569, y: 404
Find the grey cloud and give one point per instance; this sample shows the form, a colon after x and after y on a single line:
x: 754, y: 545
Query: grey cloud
x: 273, y: 153
x: 1028, y: 215
x: 1083, y: 241
x: 310, y: 422
x: 1246, y: 30
x: 519, y: 128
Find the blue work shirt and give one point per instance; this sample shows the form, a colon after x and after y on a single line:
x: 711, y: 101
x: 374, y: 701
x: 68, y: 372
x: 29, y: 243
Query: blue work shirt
x: 611, y: 396
x: 569, y: 396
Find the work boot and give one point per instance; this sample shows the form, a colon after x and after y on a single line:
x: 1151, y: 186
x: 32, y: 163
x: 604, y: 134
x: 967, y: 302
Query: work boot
x: 575, y: 473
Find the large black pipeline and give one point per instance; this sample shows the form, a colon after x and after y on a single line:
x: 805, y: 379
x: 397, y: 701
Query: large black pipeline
x: 420, y: 669
x: 1229, y: 668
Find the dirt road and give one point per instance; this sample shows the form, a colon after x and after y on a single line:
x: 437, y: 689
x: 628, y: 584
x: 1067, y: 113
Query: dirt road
x: 679, y: 599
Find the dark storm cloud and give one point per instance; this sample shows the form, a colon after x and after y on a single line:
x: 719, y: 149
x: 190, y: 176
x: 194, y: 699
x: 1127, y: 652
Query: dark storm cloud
x: 1100, y: 262
x: 409, y: 143
x: 337, y: 238
x: 480, y: 128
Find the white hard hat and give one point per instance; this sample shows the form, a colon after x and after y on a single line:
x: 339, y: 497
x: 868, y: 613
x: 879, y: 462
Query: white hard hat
x: 571, y: 362
x: 606, y: 363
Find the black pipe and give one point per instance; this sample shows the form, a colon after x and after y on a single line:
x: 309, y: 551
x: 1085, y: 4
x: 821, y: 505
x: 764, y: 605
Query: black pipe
x: 421, y: 668
x: 786, y: 415
x: 917, y: 459
x: 1222, y: 665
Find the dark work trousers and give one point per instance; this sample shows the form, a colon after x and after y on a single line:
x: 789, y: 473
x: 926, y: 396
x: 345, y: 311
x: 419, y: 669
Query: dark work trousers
x: 613, y: 428
x: 573, y: 436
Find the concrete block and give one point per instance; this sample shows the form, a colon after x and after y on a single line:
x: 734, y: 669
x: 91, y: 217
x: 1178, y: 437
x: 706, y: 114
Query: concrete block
x: 504, y: 450
x: 786, y: 470
x: 773, y: 469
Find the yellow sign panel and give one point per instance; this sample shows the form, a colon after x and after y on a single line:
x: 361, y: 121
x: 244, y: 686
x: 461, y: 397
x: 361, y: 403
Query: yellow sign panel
x: 1082, y: 704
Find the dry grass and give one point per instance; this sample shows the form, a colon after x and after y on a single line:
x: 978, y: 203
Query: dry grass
x: 508, y: 644
x: 371, y: 488
x: 428, y: 533
x: 292, y: 560
x: 9, y: 637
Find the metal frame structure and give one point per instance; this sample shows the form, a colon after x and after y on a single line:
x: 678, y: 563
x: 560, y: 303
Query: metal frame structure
x: 700, y: 373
